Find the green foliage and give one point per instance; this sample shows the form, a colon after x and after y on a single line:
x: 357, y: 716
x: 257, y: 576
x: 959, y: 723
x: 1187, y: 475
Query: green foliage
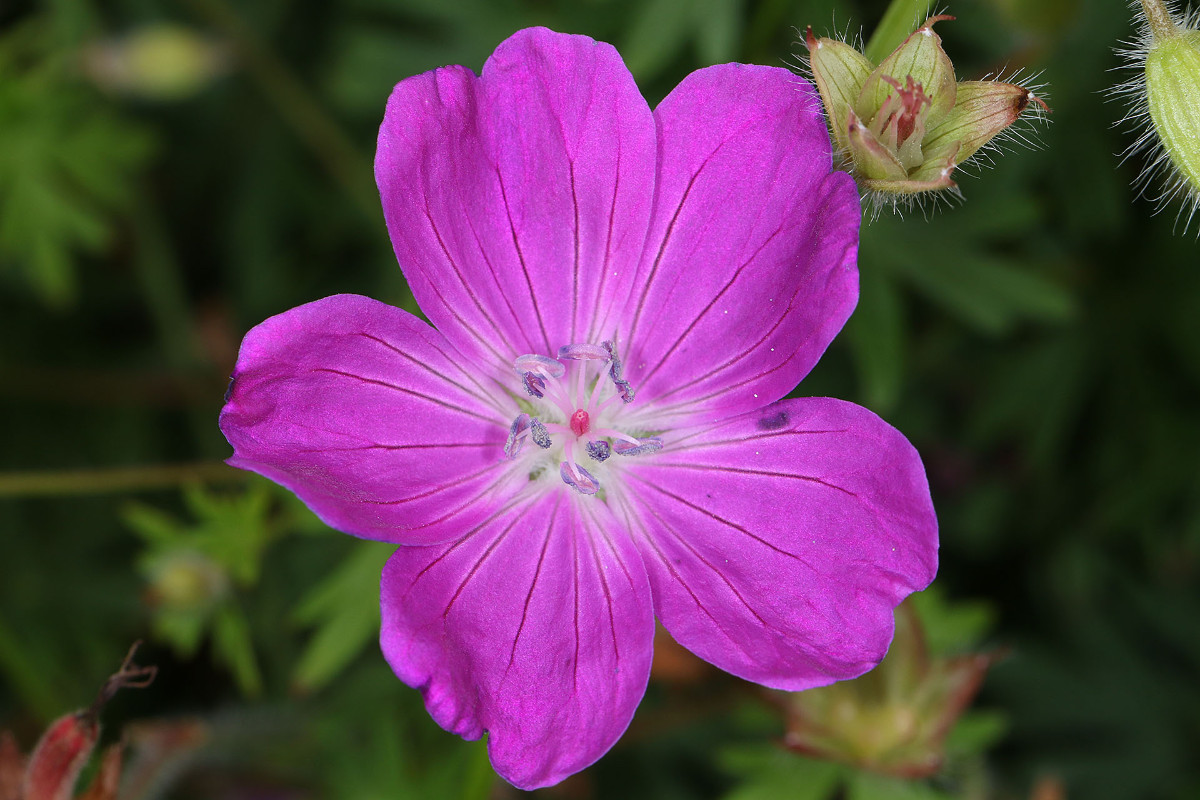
x: 190, y: 566
x: 67, y: 165
x: 344, y: 610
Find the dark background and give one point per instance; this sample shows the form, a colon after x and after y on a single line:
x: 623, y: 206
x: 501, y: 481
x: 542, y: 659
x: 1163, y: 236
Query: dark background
x: 1039, y: 343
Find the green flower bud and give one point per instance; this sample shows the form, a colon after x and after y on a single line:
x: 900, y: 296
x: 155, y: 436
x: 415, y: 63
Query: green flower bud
x: 895, y: 719
x: 1166, y: 93
x: 903, y: 126
x: 156, y: 62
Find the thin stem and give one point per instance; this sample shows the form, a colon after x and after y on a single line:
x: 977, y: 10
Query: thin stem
x: 327, y: 141
x: 1159, y: 17
x: 103, y: 480
x: 901, y: 18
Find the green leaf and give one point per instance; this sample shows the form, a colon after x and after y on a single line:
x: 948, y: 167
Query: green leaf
x: 232, y: 647
x: 901, y: 18
x: 976, y: 732
x: 656, y: 36
x: 985, y: 291
x: 344, y: 609
x: 878, y: 339
x: 68, y: 166
x: 771, y: 774
x: 718, y: 29
x: 952, y: 628
x: 865, y: 786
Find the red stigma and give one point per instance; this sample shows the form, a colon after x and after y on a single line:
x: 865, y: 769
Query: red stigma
x: 580, y: 422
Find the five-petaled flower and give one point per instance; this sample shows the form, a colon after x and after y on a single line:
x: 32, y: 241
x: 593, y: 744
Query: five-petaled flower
x: 592, y: 431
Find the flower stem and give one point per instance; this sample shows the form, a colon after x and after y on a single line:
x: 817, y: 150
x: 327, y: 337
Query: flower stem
x: 114, y: 479
x: 901, y: 18
x: 327, y: 141
x: 1161, y: 24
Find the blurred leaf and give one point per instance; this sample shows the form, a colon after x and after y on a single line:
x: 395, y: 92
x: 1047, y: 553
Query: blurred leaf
x: 657, y: 36
x: 67, y: 165
x: 986, y: 292
x: 719, y: 26
x: 952, y: 628
x: 770, y: 773
x: 344, y: 610
x: 189, y: 567
x: 865, y: 786
x: 976, y: 732
x: 877, y: 333
x: 232, y: 646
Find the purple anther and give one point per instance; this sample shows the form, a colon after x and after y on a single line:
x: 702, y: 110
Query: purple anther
x: 616, y: 371
x: 541, y: 436
x: 534, y: 384
x: 539, y: 365
x: 584, y: 352
x: 599, y: 450
x: 650, y: 444
x: 579, y: 478
x: 518, y: 432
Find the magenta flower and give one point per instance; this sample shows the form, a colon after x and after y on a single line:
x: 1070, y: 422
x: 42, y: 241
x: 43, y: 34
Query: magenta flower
x: 591, y: 432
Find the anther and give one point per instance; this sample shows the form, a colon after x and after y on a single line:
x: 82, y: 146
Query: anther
x: 578, y: 478
x: 624, y: 389
x: 650, y: 444
x: 599, y: 450
x: 584, y: 352
x: 534, y: 384
x: 541, y: 436
x: 539, y: 365
x: 517, y: 433
x: 616, y: 371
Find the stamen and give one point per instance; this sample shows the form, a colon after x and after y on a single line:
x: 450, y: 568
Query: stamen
x: 578, y: 478
x: 616, y: 371
x: 599, y: 450
x: 534, y: 384
x: 650, y: 444
x: 541, y: 436
x: 542, y: 365
x: 584, y: 352
x: 517, y: 433
x: 580, y: 422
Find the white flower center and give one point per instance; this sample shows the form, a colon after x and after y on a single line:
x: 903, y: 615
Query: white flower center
x: 576, y: 412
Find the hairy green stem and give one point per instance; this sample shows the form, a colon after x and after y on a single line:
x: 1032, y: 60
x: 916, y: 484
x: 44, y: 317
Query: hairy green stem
x: 115, y: 479
x: 1161, y: 24
x: 901, y: 18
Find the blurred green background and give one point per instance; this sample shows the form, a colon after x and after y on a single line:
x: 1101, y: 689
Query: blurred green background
x: 173, y: 173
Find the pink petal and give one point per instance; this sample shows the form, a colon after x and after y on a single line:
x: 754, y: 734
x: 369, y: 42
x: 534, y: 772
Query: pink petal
x: 518, y: 202
x: 361, y: 410
x: 750, y: 271
x: 779, y: 542
x: 535, y: 627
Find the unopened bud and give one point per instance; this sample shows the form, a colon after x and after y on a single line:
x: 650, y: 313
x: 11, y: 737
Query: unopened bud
x: 895, y: 719
x: 64, y: 749
x: 186, y: 581
x: 60, y: 756
x: 156, y: 62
